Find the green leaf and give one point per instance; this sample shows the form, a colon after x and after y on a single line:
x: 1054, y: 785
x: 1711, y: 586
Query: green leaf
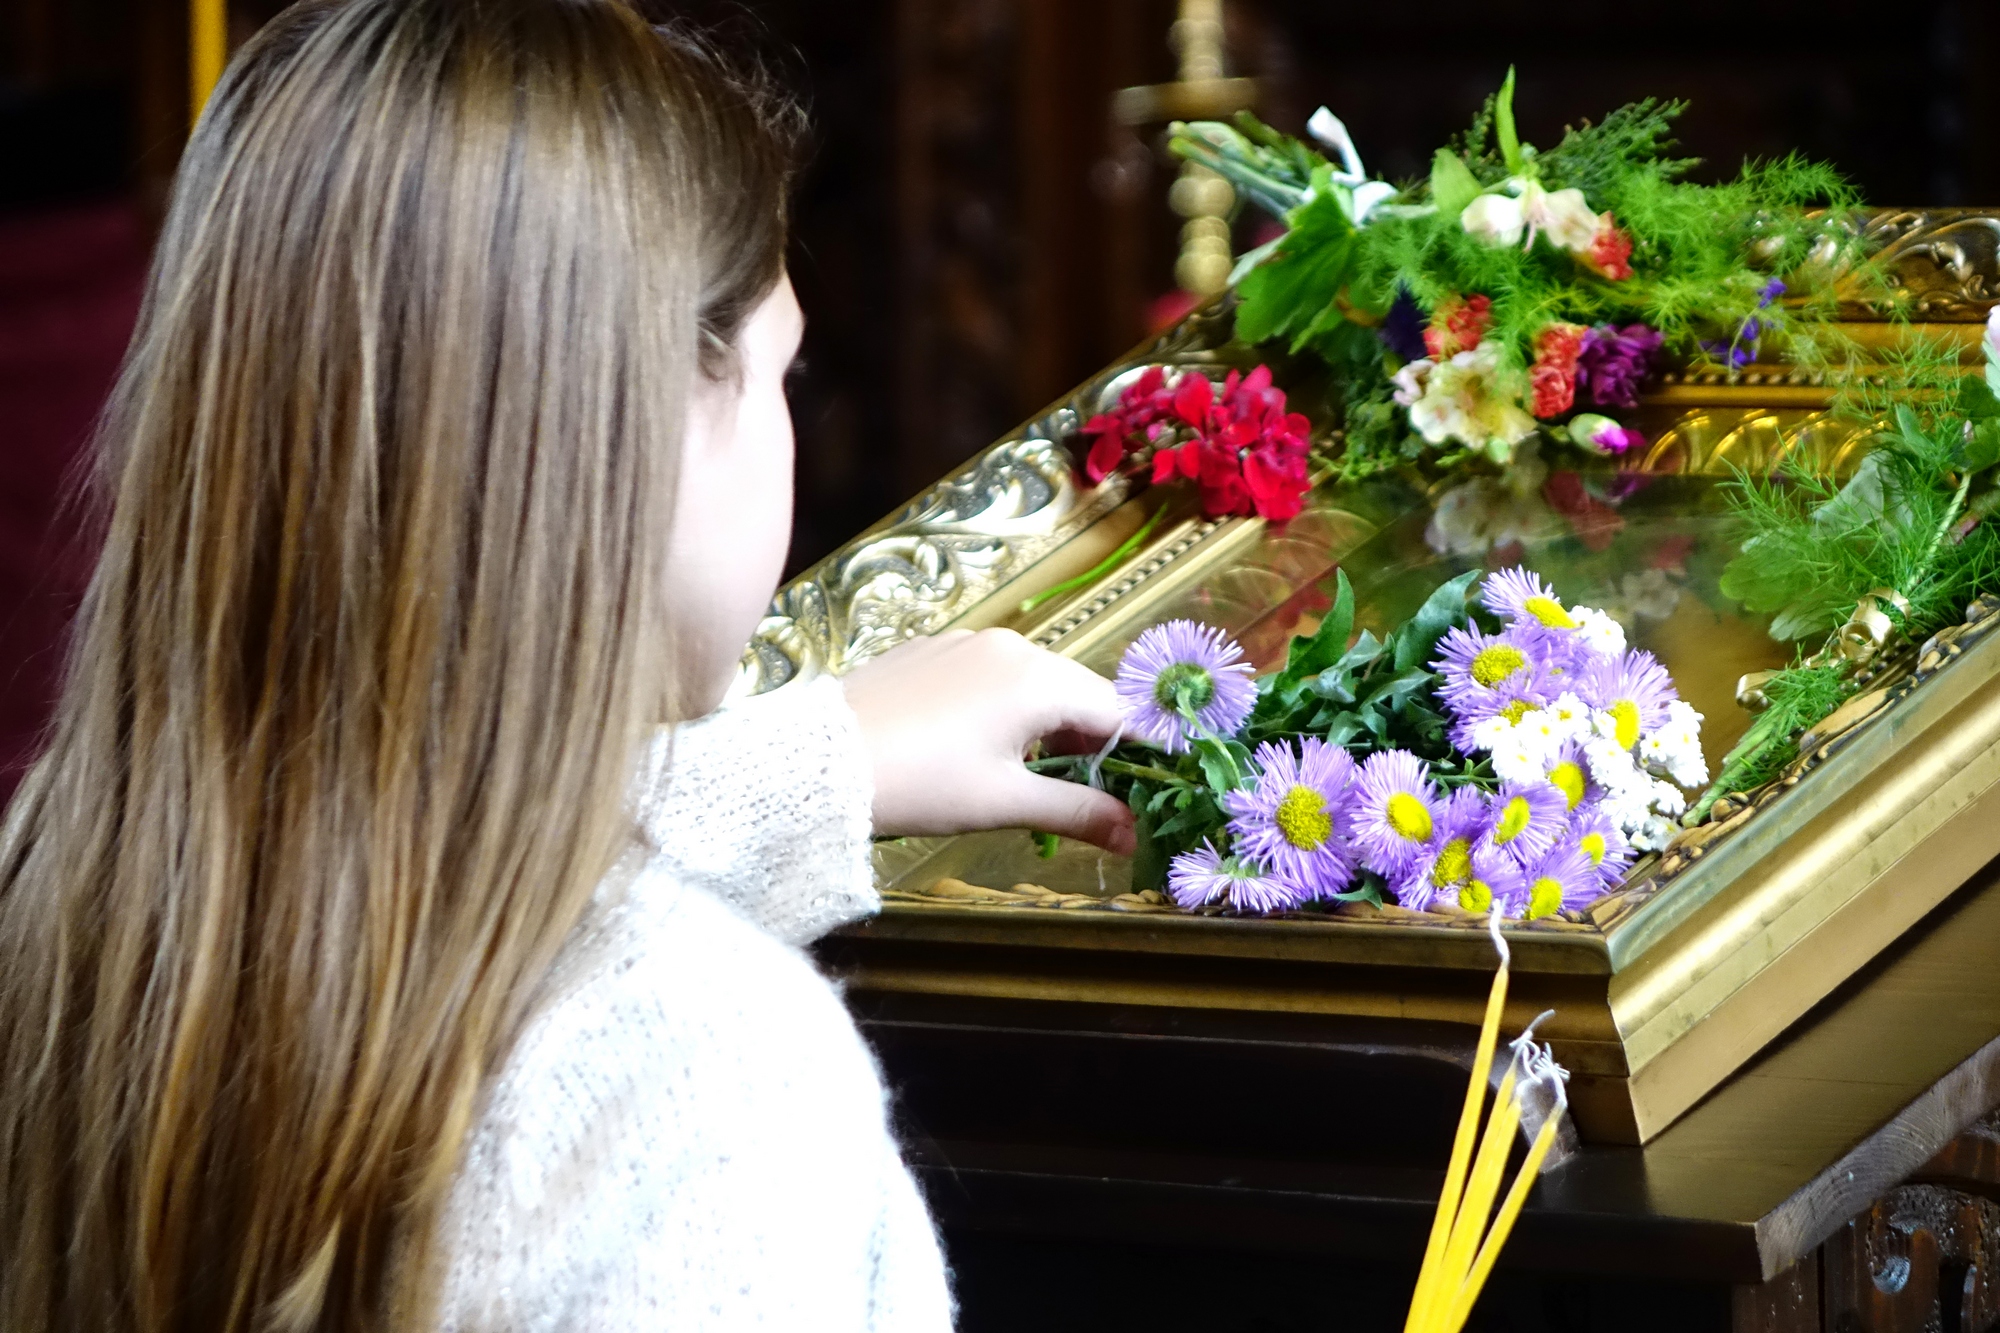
x: 1311, y: 656
x: 1981, y: 447
x: 1418, y: 636
x: 1759, y: 584
x: 1807, y: 616
x: 1290, y: 292
x: 1453, y: 185
x: 1335, y: 685
x: 1225, y: 765
x: 1503, y: 125
x: 1149, y: 859
x: 1046, y: 845
x: 1365, y: 650
x: 1976, y: 399
x: 1400, y: 688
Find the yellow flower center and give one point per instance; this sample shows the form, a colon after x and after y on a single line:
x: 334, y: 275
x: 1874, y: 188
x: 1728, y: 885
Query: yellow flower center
x: 1515, y: 711
x: 1626, y: 714
x: 1593, y: 847
x: 1476, y: 896
x: 1550, y: 612
x: 1545, y: 898
x: 1513, y: 819
x: 1567, y: 778
x: 1407, y: 815
x: 1496, y: 663
x: 1454, y: 864
x: 1303, y: 819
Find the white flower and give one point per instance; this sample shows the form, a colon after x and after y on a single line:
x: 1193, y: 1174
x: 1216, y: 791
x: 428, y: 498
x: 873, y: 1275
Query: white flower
x: 1571, y: 714
x: 1473, y: 399
x: 1518, y: 758
x: 1667, y: 798
x: 1674, y: 748
x: 1653, y: 835
x: 1612, y: 768
x: 1494, y: 218
x: 1993, y: 350
x: 1411, y: 379
x: 1547, y: 729
x: 1601, y: 634
x: 1330, y: 130
x: 1562, y: 216
x: 1369, y: 196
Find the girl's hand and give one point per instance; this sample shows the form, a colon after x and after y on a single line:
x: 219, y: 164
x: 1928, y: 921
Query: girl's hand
x: 948, y: 720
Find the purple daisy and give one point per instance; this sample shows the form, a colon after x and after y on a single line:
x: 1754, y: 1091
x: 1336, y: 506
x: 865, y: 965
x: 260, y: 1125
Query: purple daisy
x: 1493, y: 877
x: 1481, y: 671
x: 1521, y: 596
x: 1298, y: 817
x: 1445, y: 863
x: 1204, y: 876
x: 1564, y: 881
x: 1569, y: 773
x: 1596, y: 834
x: 1632, y: 688
x: 1180, y: 671
x: 1524, y: 819
x: 1395, y: 812
x: 1512, y: 703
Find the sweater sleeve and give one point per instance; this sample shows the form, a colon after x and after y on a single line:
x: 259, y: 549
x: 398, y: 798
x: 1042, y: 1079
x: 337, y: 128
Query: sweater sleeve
x: 779, y: 782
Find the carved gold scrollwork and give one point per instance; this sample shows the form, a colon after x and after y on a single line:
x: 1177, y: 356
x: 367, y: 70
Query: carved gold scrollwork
x: 1946, y: 261
x: 955, y: 545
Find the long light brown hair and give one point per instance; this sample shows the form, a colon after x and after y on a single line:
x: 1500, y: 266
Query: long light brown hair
x: 376, y: 636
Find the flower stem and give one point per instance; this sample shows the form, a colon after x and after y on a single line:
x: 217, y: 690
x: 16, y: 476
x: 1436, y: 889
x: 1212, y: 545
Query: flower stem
x: 1102, y: 568
x: 1146, y: 771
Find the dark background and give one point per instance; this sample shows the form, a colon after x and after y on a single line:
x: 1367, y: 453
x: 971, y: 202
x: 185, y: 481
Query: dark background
x: 973, y: 235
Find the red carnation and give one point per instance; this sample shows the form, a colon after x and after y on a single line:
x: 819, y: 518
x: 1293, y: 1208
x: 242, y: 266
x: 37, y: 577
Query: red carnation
x: 1457, y: 326
x: 1610, y: 252
x: 1552, y: 379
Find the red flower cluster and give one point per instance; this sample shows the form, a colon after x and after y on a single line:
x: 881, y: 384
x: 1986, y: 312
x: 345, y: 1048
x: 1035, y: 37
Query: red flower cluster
x: 1240, y: 446
x: 1552, y: 379
x: 1457, y: 326
x: 1610, y: 252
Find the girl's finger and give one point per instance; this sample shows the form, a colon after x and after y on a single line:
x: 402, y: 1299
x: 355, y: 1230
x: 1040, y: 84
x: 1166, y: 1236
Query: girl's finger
x: 1048, y: 805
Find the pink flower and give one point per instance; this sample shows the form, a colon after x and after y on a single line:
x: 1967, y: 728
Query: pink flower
x: 1552, y: 379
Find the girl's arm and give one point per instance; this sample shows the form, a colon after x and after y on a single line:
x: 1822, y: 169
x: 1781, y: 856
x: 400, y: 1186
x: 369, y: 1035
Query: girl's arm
x: 769, y: 801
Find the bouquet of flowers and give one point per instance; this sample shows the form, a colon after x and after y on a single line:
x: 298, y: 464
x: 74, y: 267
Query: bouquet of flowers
x: 1512, y: 753
x: 1513, y: 292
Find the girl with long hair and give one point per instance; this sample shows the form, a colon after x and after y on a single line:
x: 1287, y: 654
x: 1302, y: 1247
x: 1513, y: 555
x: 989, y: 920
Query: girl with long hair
x: 394, y: 933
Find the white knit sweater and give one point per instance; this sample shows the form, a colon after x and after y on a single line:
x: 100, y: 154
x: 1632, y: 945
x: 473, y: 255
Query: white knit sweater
x: 690, y: 1134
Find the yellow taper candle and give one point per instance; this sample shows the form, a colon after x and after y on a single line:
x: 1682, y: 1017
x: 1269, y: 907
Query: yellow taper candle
x: 1477, y: 1205
x: 208, y: 48
x: 1428, y: 1279
x: 1503, y: 1223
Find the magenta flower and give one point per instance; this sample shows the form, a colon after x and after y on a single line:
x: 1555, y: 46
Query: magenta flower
x: 1614, y: 362
x: 1563, y: 881
x: 1204, y: 876
x: 1523, y: 820
x: 1297, y: 817
x: 1180, y: 682
x: 1445, y: 864
x: 1395, y: 813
